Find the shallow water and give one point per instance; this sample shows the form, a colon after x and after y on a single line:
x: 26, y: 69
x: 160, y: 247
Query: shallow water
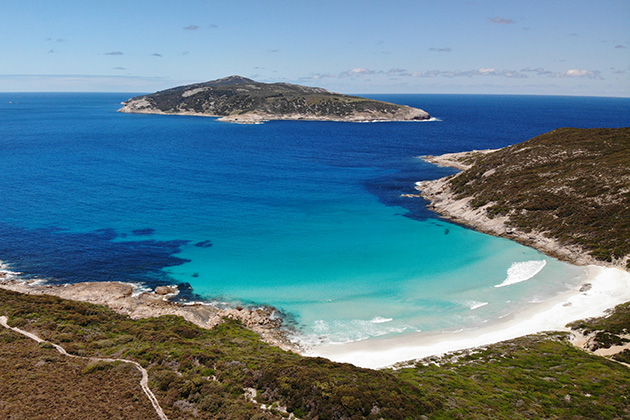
x: 304, y: 216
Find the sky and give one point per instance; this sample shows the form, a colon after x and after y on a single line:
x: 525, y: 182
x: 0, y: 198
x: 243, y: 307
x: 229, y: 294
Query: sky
x: 541, y: 47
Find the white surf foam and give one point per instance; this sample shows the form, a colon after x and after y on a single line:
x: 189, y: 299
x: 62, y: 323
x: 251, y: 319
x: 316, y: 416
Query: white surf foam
x: 474, y: 304
x: 522, y: 271
x: 347, y: 331
x: 380, y: 320
x: 138, y: 288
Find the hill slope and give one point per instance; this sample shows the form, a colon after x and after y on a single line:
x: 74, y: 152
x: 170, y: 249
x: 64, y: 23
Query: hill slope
x: 228, y: 373
x: 238, y: 99
x: 566, y: 192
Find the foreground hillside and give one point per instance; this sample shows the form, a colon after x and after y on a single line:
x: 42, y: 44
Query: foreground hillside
x: 566, y: 192
x: 229, y: 373
x: 238, y: 99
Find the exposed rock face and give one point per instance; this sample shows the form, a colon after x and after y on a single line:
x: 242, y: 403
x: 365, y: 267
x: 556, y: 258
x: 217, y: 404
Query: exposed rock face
x: 165, y: 290
x: 242, y: 100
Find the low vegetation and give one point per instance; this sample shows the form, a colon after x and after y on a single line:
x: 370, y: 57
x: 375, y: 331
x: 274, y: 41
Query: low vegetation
x: 533, y: 377
x: 206, y: 374
x: 571, y: 184
x: 612, y: 330
x: 38, y: 383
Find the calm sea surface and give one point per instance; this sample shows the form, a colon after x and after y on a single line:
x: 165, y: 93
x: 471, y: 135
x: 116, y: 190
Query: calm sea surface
x: 304, y: 216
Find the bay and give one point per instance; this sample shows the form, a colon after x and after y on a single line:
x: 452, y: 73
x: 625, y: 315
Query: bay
x: 304, y: 216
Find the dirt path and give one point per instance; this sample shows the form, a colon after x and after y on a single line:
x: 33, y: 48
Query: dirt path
x: 144, y: 382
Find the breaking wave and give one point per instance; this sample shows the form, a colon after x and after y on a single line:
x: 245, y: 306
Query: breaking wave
x: 522, y: 271
x: 474, y: 304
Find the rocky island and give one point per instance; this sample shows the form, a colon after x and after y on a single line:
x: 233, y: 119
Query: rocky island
x: 241, y: 100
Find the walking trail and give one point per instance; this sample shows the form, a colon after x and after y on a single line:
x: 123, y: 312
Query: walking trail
x: 144, y: 382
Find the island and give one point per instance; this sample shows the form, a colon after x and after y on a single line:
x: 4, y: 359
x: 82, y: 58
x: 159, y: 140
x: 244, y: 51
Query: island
x: 241, y: 100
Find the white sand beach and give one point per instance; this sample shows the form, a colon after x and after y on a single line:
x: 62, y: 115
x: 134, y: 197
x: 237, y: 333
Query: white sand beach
x: 604, y: 288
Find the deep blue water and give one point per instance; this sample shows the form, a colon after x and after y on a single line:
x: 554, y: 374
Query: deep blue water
x: 305, y: 216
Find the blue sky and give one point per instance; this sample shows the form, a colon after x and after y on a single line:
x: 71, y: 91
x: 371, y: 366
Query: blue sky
x: 552, y: 47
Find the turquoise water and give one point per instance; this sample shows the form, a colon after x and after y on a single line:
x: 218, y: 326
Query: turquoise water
x: 304, y: 216
x: 372, y: 273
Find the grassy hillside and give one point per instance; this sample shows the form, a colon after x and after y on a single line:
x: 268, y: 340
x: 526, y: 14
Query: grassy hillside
x: 572, y: 184
x: 38, y: 383
x: 532, y: 377
x: 193, y: 370
x: 204, y: 374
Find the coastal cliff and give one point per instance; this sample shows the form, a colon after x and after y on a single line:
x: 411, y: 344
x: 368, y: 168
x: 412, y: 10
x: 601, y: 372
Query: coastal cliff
x: 241, y: 100
x: 566, y: 193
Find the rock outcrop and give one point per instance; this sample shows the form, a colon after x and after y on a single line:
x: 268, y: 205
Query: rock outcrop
x: 120, y: 297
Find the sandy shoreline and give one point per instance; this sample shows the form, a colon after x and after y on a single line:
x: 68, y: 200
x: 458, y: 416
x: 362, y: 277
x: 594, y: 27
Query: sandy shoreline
x: 605, y: 288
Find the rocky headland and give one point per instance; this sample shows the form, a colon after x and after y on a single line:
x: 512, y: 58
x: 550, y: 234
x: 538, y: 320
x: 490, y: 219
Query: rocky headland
x: 565, y: 193
x: 240, y: 100
x: 120, y: 297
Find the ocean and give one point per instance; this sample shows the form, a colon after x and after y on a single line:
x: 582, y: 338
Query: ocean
x: 306, y: 217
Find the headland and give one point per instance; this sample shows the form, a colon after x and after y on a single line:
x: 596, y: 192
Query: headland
x: 124, y: 299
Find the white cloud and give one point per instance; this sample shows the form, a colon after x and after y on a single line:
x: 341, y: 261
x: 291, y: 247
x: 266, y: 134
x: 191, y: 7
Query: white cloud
x: 538, y: 70
x: 589, y: 74
x: 485, y: 72
x: 357, y: 71
x: 318, y: 76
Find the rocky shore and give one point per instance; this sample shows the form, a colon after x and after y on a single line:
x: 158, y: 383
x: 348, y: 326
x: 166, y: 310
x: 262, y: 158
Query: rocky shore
x: 460, y: 210
x: 120, y: 297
